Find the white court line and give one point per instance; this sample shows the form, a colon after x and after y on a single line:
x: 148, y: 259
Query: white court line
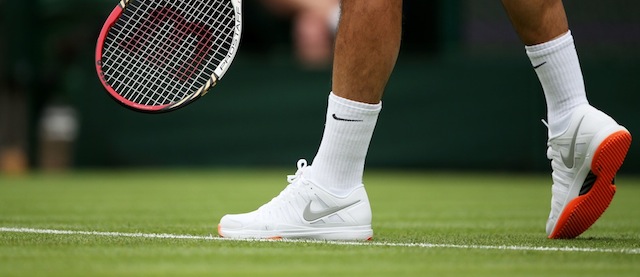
x: 351, y: 243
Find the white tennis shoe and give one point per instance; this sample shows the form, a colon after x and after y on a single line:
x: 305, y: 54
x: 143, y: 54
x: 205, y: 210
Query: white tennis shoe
x: 304, y: 210
x: 584, y: 159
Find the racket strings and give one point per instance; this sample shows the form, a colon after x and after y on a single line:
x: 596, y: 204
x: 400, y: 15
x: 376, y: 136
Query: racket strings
x: 159, y: 53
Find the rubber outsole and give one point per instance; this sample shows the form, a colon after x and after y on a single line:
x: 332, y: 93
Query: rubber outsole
x: 581, y: 212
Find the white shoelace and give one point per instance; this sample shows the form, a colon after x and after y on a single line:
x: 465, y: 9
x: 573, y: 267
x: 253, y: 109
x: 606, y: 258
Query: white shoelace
x: 291, y: 179
x: 302, y: 164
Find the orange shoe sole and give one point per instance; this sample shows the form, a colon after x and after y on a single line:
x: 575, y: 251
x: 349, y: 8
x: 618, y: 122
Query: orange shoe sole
x: 585, y: 209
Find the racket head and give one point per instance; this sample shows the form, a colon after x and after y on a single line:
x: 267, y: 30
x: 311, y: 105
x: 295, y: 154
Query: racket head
x: 157, y: 56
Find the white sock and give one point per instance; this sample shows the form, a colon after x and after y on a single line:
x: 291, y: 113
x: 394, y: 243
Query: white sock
x: 558, y: 68
x: 339, y: 163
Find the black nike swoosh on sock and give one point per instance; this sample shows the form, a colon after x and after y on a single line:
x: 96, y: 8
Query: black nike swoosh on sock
x: 345, y: 119
x: 536, y: 66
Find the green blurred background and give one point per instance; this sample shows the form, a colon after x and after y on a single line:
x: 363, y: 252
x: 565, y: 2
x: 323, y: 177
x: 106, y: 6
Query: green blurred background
x: 463, y: 95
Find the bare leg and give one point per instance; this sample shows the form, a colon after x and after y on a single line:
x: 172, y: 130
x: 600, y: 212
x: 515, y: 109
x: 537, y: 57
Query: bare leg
x: 366, y: 50
x: 537, y: 21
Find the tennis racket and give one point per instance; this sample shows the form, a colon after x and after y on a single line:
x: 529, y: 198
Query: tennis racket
x: 157, y: 55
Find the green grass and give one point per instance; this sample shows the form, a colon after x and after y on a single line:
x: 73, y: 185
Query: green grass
x: 409, y: 207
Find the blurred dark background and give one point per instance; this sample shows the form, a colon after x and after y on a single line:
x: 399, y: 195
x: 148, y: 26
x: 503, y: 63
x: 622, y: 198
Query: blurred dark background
x: 463, y: 95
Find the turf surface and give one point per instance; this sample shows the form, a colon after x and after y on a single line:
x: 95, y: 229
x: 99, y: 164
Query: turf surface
x: 461, y: 222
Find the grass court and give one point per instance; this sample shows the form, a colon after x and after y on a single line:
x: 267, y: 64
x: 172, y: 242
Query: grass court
x: 163, y: 223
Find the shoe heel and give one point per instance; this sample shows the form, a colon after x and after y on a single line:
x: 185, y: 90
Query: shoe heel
x: 584, y: 210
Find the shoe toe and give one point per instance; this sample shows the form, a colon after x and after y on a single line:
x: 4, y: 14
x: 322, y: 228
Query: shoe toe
x: 231, y: 221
